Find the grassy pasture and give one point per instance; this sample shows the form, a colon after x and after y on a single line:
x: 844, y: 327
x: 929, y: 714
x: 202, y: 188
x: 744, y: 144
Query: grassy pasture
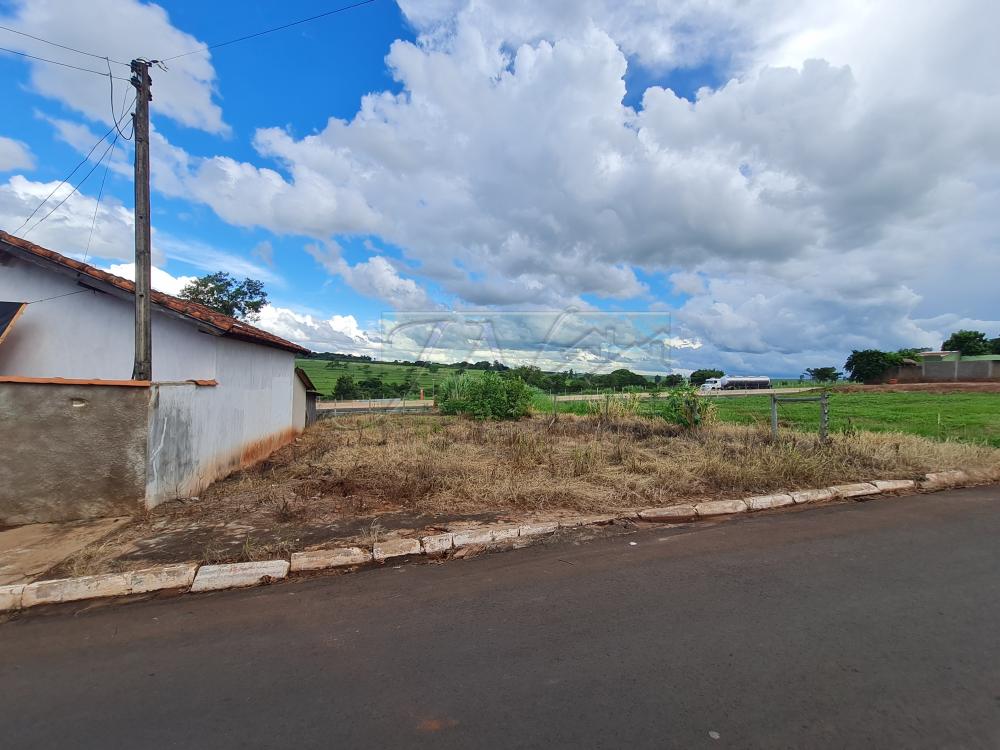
x: 325, y: 378
x: 967, y: 417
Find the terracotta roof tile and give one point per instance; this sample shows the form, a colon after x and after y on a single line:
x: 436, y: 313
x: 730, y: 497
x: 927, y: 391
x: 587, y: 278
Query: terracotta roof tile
x: 229, y: 326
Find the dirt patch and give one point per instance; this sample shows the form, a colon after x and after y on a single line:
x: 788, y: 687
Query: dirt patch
x: 976, y: 387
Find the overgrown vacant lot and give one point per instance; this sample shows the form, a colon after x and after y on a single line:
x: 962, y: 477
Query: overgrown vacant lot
x: 444, y: 464
x: 352, y: 480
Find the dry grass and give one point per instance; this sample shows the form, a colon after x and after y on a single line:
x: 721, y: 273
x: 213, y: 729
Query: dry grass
x: 439, y: 464
x: 343, y: 478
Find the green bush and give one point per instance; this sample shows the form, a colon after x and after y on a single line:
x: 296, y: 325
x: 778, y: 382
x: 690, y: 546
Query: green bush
x: 487, y: 397
x: 685, y: 407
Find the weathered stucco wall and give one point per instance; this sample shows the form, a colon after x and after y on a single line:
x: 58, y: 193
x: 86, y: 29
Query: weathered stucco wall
x: 71, y: 451
x: 198, y: 434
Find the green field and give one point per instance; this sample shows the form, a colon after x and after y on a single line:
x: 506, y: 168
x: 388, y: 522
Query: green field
x: 968, y: 417
x: 325, y: 377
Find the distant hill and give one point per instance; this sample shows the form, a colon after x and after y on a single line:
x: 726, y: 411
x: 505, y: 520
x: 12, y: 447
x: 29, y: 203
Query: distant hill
x: 373, y: 379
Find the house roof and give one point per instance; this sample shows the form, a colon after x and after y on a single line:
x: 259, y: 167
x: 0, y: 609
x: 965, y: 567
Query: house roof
x: 226, y: 325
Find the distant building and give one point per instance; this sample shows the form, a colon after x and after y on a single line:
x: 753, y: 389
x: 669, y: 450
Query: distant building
x: 81, y: 439
x: 943, y: 367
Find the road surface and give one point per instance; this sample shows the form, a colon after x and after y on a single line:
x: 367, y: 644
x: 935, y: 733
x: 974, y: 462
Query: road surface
x: 854, y: 625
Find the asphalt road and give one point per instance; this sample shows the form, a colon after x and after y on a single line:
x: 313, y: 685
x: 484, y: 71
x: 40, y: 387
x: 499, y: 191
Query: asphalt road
x: 855, y: 625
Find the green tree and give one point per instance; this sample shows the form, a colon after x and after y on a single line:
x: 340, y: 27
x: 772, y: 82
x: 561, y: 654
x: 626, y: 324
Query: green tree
x: 221, y: 292
x: 995, y: 345
x: 345, y: 388
x: 870, y: 364
x: 969, y: 343
x: 824, y: 374
x: 698, y: 377
x: 673, y: 380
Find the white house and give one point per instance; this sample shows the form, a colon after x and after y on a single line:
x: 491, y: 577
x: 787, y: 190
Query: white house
x: 81, y: 439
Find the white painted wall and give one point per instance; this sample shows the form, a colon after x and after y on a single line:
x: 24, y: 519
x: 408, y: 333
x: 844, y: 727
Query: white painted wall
x: 90, y: 335
x: 299, y: 398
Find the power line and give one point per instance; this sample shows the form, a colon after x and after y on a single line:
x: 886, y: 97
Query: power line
x: 73, y: 191
x: 65, y: 65
x: 62, y: 46
x: 100, y: 193
x: 117, y: 118
x: 271, y: 31
x: 58, y: 296
x: 67, y: 178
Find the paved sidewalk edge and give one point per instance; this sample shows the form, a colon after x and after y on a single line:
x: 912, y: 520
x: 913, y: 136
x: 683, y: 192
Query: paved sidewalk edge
x: 194, y: 578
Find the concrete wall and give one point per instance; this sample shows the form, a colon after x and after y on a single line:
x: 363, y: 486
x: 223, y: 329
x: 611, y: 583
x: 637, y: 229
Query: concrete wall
x: 198, y: 434
x: 88, y: 334
x: 71, y: 451
x: 945, y: 372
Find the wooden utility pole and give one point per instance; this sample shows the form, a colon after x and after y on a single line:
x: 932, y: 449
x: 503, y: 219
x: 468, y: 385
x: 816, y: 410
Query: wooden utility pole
x: 143, y: 367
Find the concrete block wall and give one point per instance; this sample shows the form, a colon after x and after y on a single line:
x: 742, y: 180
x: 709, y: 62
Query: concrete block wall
x: 945, y: 372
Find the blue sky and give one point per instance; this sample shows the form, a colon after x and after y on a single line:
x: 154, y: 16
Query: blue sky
x: 515, y: 156
x: 269, y: 81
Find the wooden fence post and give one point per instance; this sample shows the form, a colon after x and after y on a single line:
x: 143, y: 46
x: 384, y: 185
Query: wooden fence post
x: 774, y: 416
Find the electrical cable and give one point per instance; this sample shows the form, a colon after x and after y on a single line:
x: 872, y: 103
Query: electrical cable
x: 67, y: 178
x: 65, y: 65
x: 97, y: 206
x: 64, y: 180
x: 58, y: 296
x: 270, y: 31
x: 116, y: 119
x: 72, y: 192
x: 61, y: 46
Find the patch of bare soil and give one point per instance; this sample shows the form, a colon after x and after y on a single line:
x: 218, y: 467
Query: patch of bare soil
x: 357, y: 479
x: 973, y: 387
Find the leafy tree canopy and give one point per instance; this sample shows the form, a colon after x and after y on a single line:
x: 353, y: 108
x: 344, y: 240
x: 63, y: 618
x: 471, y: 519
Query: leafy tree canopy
x: 223, y: 293
x: 870, y: 364
x: 824, y: 374
x: 969, y: 343
x: 345, y: 388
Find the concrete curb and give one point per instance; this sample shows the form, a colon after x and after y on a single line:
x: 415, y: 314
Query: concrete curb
x: 192, y: 577
x: 239, y: 575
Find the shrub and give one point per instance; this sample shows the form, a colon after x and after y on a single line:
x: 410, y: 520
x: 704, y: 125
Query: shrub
x: 683, y: 406
x: 489, y: 396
